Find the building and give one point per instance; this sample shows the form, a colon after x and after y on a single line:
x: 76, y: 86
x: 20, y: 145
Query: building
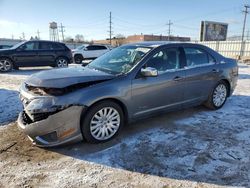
x: 141, y: 38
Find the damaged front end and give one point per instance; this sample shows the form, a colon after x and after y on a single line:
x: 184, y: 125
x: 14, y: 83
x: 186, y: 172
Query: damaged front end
x: 53, y: 104
x: 47, y: 122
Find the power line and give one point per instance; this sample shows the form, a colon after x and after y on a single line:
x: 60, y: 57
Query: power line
x: 169, y: 28
x: 244, y: 25
x: 62, y: 30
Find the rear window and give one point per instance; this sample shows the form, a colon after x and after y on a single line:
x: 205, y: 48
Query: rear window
x: 101, y: 47
x: 45, y: 46
x: 57, y: 46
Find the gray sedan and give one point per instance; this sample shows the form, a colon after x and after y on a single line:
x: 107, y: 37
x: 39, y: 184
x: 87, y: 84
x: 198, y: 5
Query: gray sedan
x: 130, y: 82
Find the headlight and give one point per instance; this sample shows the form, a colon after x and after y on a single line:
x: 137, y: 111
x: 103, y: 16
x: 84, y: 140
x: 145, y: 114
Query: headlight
x: 41, y: 105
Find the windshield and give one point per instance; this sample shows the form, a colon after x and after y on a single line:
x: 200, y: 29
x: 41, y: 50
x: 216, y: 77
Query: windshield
x: 120, y: 60
x: 17, y: 45
x: 81, y: 47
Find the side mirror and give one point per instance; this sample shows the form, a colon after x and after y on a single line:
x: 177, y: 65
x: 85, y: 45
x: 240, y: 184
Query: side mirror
x: 85, y: 49
x: 149, y: 72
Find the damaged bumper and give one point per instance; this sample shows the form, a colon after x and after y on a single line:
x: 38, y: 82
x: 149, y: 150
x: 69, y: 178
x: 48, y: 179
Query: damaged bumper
x: 56, y: 129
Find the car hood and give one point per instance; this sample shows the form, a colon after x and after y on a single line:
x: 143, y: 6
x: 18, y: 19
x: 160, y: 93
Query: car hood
x: 64, y: 77
x: 5, y: 50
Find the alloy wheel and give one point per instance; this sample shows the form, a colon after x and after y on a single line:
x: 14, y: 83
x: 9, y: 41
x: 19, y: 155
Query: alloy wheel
x: 105, y: 123
x: 62, y: 63
x: 5, y: 65
x: 219, y: 95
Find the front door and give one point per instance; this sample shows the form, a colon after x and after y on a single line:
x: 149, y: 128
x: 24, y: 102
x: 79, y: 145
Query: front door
x: 165, y: 91
x: 27, y: 54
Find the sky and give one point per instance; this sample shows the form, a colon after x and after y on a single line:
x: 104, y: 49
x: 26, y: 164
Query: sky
x: 90, y: 18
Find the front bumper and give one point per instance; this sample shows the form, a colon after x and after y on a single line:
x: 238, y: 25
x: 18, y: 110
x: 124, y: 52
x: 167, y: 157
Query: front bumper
x: 57, y: 129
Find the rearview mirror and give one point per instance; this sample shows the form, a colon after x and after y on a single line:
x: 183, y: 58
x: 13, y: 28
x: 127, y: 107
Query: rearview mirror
x: 149, y: 72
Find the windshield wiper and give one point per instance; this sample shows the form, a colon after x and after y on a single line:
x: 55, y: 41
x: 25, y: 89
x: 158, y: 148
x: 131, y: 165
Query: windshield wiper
x: 110, y: 71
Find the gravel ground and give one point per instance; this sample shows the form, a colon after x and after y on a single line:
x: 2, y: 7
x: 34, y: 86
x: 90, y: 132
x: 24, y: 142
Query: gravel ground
x: 190, y: 148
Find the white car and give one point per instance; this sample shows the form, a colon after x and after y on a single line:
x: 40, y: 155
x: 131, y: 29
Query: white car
x: 89, y: 52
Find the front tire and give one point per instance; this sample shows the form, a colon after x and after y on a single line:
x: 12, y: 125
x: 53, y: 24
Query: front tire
x: 102, y: 122
x: 6, y: 65
x: 61, y: 62
x: 218, y: 96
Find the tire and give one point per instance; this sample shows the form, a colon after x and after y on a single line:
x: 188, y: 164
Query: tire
x: 218, y: 96
x: 78, y: 59
x: 6, y: 65
x: 62, y: 62
x: 97, y: 130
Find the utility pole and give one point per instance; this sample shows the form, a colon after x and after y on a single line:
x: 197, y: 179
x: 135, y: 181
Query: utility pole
x: 169, y: 29
x: 23, y: 35
x: 110, y: 28
x: 62, y: 30
x: 243, y: 30
x: 38, y: 34
x: 248, y: 34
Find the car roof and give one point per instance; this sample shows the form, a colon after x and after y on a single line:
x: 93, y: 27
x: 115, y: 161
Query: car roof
x: 45, y: 41
x: 154, y: 44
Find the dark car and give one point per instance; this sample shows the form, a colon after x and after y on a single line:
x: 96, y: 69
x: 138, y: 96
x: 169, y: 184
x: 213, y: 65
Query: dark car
x: 35, y: 53
x: 128, y: 83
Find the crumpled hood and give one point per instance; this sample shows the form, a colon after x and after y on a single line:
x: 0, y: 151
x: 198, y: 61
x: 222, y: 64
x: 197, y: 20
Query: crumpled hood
x: 64, y: 77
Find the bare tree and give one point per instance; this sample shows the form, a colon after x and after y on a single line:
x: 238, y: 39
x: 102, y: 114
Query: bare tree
x: 79, y: 38
x: 69, y: 39
x: 120, y: 36
x: 119, y: 39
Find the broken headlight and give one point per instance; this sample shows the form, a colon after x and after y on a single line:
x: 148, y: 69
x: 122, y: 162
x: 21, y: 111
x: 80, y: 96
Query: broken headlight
x: 41, y: 105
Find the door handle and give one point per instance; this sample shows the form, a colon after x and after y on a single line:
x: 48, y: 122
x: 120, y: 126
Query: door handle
x: 178, y: 78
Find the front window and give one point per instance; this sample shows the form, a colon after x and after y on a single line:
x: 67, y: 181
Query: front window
x: 165, y: 60
x: 17, y: 45
x: 120, y: 60
x: 29, y: 46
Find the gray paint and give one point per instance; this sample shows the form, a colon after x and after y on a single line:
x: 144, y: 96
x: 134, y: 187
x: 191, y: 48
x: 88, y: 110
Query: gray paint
x: 141, y: 96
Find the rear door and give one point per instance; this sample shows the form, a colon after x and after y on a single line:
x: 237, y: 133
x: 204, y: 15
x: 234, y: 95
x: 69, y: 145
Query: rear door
x: 201, y: 74
x: 27, y: 54
x: 46, y: 53
x: 101, y: 50
x: 166, y: 91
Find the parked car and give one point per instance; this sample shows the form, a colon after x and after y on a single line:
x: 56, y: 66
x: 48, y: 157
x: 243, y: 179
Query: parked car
x: 3, y: 46
x: 128, y: 83
x: 89, y: 52
x: 35, y: 53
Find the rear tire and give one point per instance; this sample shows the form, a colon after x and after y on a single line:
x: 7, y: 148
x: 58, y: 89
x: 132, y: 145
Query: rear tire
x: 78, y: 59
x: 62, y: 62
x: 218, y: 96
x: 102, y: 122
x: 6, y: 65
